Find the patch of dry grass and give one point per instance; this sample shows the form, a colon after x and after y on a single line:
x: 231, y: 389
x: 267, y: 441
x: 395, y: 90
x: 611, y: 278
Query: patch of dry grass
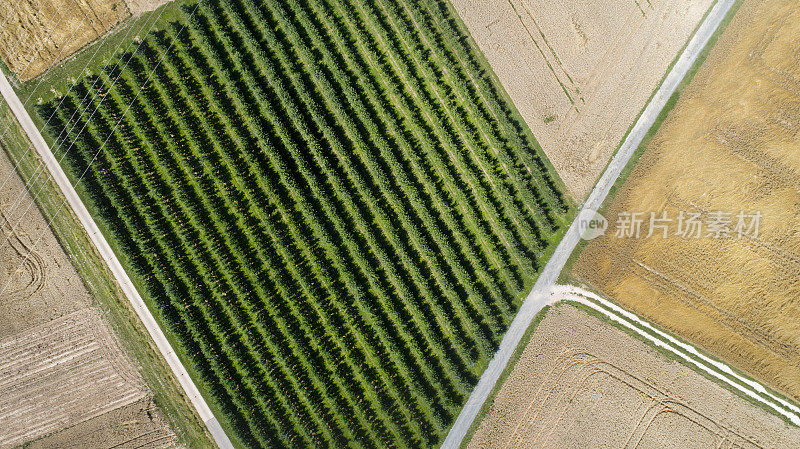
x: 38, y: 33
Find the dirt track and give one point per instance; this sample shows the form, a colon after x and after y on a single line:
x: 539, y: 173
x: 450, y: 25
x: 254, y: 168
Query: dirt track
x: 583, y: 383
x: 580, y: 71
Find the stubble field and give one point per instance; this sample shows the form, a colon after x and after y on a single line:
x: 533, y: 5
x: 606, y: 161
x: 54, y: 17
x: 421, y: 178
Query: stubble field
x: 581, y: 382
x: 37, y: 33
x: 580, y: 71
x: 729, y: 145
x: 63, y: 374
x: 66, y: 372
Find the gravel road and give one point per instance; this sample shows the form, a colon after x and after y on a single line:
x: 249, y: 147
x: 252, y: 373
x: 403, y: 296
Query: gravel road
x: 540, y: 295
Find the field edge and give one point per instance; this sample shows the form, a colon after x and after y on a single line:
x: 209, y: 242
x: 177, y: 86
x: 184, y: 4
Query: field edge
x: 566, y: 276
x: 102, y: 287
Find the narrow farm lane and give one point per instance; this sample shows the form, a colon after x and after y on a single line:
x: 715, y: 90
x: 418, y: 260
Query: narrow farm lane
x: 540, y: 294
x: 113, y: 263
x: 716, y: 369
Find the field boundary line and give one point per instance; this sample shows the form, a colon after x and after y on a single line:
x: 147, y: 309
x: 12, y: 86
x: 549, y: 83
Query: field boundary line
x: 749, y: 387
x: 540, y: 294
x: 72, y: 198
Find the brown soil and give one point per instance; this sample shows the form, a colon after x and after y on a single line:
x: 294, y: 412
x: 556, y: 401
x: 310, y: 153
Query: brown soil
x: 54, y: 29
x: 580, y: 71
x: 582, y: 383
x: 730, y: 144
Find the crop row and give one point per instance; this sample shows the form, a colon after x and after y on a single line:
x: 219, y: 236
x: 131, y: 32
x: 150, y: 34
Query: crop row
x: 327, y: 202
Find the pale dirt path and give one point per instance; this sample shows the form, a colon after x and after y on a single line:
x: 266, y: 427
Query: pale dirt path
x: 540, y: 294
x: 750, y: 388
x: 114, y: 265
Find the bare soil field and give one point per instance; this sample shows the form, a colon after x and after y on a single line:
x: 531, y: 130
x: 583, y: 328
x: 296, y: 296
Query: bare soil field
x: 37, y: 33
x: 32, y: 376
x: 580, y: 72
x: 62, y: 371
x: 581, y: 383
x: 729, y: 145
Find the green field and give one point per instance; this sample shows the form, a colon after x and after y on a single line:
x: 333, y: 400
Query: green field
x: 330, y: 205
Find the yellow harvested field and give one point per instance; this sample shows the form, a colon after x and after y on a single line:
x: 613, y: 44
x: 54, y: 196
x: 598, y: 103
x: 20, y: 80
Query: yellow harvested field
x: 38, y: 33
x: 729, y: 145
x: 582, y: 383
x: 580, y: 71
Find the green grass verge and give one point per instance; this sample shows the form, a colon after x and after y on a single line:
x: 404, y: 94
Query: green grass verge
x: 101, y: 284
x: 487, y: 405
